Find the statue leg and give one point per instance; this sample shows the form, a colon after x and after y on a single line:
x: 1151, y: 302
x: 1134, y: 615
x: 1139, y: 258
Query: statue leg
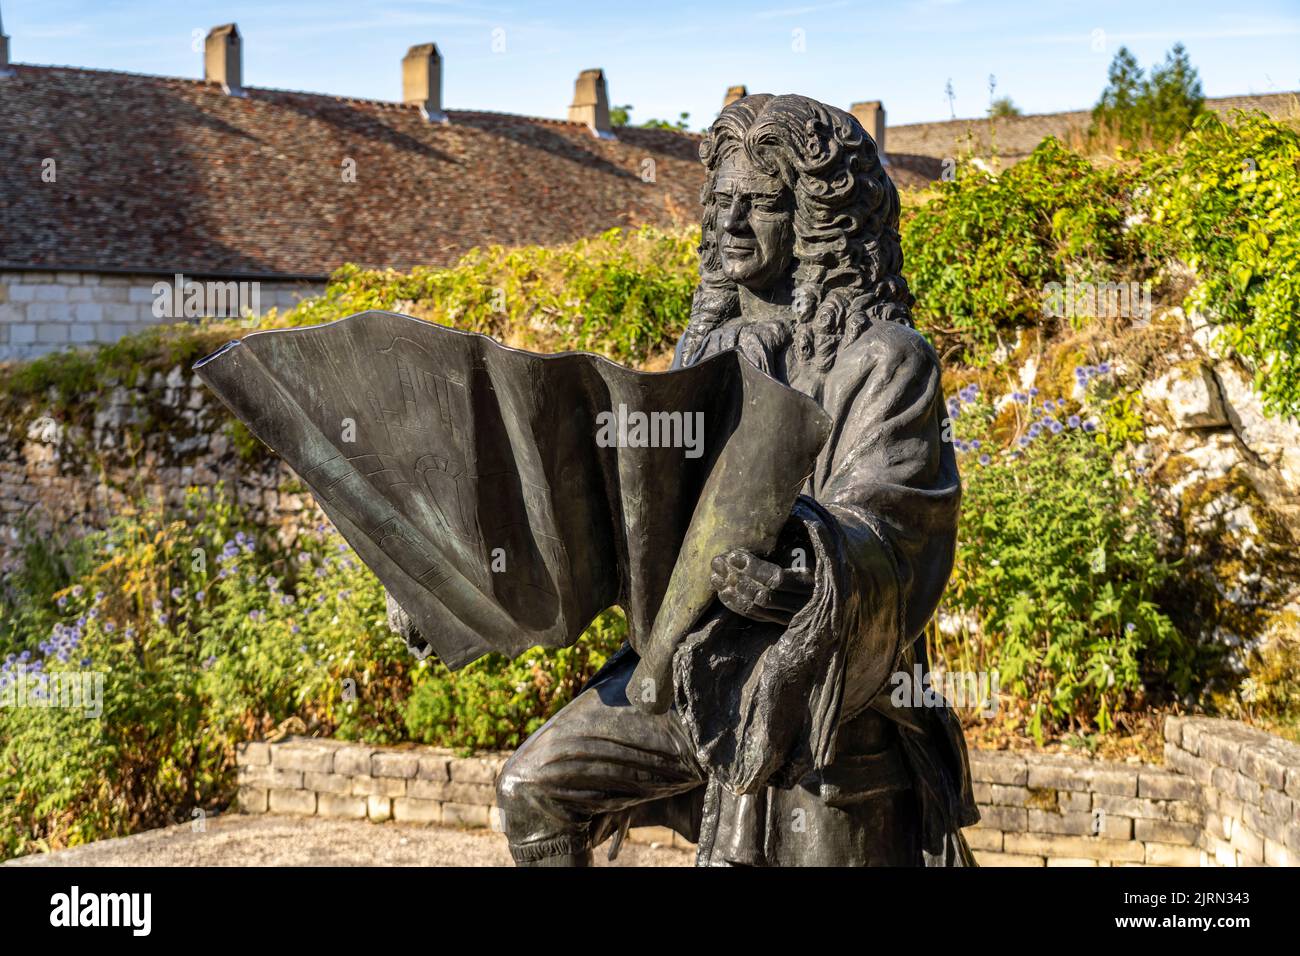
x: 574, y: 782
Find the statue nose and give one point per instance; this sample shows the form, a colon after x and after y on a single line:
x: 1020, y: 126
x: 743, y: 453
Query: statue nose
x: 733, y: 216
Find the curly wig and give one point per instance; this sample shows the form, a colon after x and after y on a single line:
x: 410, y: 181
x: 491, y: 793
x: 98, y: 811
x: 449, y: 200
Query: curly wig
x: 848, y: 259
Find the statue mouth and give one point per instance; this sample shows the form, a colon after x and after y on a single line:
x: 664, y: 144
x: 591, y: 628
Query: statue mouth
x: 739, y: 248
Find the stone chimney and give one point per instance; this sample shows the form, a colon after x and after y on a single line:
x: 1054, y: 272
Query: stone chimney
x: 4, y: 51
x: 422, y: 81
x: 591, y: 103
x: 734, y: 93
x: 872, y: 117
x: 223, y: 59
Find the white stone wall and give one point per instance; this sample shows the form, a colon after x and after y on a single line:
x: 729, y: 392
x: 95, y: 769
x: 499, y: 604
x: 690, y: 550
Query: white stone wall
x: 42, y: 312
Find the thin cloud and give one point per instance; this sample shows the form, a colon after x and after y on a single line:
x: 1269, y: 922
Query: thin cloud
x: 800, y: 11
x: 1283, y: 28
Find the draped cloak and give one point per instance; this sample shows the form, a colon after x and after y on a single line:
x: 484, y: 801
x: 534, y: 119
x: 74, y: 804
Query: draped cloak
x: 880, y: 514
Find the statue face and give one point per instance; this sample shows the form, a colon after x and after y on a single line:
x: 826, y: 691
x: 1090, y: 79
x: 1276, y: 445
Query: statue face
x: 755, y: 223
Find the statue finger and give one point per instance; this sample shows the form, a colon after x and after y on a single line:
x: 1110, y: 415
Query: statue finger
x: 739, y: 558
x: 798, y: 580
x: 766, y: 573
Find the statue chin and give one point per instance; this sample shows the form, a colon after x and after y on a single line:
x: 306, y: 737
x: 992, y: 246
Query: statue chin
x: 753, y: 273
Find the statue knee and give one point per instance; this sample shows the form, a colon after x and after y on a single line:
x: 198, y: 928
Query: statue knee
x: 518, y: 787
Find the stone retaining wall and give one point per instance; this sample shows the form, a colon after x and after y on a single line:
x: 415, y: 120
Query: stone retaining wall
x: 1250, y: 787
x: 74, y: 477
x: 1043, y: 809
x: 1229, y: 796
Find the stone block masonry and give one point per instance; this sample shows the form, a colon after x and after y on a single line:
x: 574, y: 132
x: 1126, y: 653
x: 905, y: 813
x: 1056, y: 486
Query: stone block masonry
x: 1228, y: 796
x: 307, y: 776
x: 73, y: 477
x: 1250, y: 786
x: 42, y: 312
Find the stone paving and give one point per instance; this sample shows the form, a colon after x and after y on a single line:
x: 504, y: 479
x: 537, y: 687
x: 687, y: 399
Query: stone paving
x: 238, y: 840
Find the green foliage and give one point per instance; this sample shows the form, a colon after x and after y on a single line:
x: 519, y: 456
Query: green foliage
x: 1158, y: 108
x: 1227, y: 202
x: 1057, y: 568
x: 205, y: 634
x: 979, y: 254
x: 624, y: 294
x: 1003, y: 106
x: 622, y: 116
x: 495, y: 702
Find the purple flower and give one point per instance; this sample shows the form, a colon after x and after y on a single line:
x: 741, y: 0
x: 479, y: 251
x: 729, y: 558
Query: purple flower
x: 1090, y: 426
x: 1033, y: 392
x: 1023, y: 441
x: 1035, y: 429
x: 1074, y: 421
x: 62, y: 601
x: 1055, y: 427
x: 78, y: 591
x: 200, y: 595
x: 1019, y: 397
x: 1130, y: 627
x: 109, y: 627
x: 1104, y: 368
x: 177, y: 594
x: 985, y: 459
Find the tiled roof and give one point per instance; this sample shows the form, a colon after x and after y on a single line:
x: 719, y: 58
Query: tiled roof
x: 159, y: 174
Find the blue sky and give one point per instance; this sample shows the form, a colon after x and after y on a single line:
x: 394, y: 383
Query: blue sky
x: 665, y: 56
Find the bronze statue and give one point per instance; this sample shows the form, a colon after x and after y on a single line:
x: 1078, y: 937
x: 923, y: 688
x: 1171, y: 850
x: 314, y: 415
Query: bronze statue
x: 774, y: 575
x: 781, y: 748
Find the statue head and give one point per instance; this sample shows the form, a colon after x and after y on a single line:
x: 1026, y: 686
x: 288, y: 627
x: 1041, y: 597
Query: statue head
x: 798, y: 207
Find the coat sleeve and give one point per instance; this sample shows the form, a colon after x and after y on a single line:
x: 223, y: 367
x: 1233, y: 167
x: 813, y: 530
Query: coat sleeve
x: 887, y: 492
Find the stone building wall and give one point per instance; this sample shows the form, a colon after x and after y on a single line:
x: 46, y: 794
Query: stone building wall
x: 41, y: 312
x: 1228, y: 796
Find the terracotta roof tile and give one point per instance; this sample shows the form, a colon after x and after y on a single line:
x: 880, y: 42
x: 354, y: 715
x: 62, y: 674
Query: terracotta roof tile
x: 161, y: 174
